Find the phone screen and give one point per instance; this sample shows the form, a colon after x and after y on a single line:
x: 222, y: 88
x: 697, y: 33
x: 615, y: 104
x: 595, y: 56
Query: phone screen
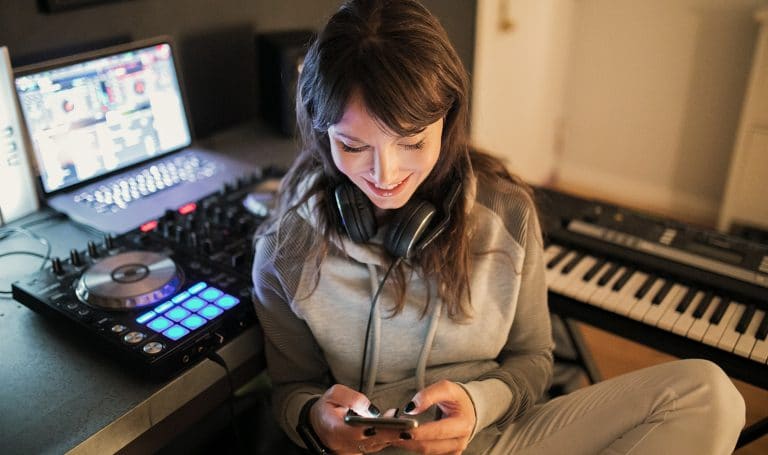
x: 396, y: 423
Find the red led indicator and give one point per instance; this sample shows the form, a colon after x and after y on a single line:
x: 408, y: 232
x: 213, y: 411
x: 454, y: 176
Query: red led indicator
x: 148, y: 226
x: 187, y: 208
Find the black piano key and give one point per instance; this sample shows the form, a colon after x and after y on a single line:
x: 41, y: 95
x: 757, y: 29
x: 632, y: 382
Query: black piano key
x: 593, y: 270
x: 662, y: 292
x: 572, y: 263
x: 720, y: 311
x: 623, y: 279
x: 646, y: 286
x: 746, y: 318
x: 686, y: 301
x: 701, y: 308
x: 606, y: 277
x: 558, y: 257
x: 762, y: 329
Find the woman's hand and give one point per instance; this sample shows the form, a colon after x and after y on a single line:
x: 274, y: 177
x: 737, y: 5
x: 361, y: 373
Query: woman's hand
x: 327, y: 419
x: 450, y: 434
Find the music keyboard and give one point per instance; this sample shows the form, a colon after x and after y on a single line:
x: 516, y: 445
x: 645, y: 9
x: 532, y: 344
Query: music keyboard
x: 647, y: 283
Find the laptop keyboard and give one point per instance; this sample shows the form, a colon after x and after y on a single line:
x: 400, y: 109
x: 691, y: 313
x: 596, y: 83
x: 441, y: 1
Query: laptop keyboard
x: 117, y: 194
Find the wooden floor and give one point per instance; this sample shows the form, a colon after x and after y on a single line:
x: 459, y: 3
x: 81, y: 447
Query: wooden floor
x: 615, y: 355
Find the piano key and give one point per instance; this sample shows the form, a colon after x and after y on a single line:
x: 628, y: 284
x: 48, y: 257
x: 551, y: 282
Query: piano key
x: 646, y: 286
x: 746, y: 318
x: 608, y: 274
x: 551, y: 251
x: 722, y: 307
x: 573, y: 282
x: 671, y: 315
x: 557, y: 258
x: 556, y: 277
x: 699, y: 328
x: 686, y: 319
x: 701, y: 308
x: 760, y: 350
x: 634, y: 282
x: 622, y: 281
x: 593, y: 285
x: 567, y: 268
x: 654, y: 315
x: 747, y: 339
x: 641, y: 306
x: 686, y: 300
x: 730, y: 336
x: 554, y: 272
x: 762, y: 329
x: 715, y: 331
x: 593, y: 270
x: 606, y: 292
x: 662, y: 293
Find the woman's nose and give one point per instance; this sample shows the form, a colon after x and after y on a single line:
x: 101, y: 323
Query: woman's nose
x: 385, y: 165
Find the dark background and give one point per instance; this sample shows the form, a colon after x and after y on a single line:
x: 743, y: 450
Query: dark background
x: 215, y: 39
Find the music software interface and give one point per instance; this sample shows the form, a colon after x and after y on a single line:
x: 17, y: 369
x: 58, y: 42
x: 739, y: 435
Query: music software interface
x: 89, y: 118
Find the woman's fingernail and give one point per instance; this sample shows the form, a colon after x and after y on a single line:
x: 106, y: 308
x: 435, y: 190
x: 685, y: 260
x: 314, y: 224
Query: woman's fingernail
x: 369, y: 431
x: 405, y: 436
x: 374, y: 410
x: 409, y: 407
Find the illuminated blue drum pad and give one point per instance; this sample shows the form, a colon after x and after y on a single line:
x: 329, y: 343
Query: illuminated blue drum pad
x: 187, y: 311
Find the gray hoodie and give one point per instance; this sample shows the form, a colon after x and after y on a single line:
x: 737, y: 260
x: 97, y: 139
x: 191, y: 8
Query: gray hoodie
x: 314, y: 336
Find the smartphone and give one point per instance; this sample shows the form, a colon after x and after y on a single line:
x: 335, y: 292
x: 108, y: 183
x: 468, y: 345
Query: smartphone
x: 394, y: 423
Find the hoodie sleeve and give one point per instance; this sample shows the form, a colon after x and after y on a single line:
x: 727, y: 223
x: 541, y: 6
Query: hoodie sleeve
x: 295, y: 365
x: 502, y: 395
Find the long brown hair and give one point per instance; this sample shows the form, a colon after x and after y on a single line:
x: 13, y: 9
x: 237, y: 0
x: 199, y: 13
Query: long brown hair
x: 397, y: 55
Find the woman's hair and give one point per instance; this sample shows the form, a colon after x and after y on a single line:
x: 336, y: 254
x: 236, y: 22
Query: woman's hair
x: 398, y: 57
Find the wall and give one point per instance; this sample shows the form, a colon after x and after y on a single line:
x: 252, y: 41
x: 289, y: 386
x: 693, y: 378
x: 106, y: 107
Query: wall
x: 215, y: 38
x: 650, y: 98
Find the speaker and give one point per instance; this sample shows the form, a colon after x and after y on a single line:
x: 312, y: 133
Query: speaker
x: 280, y: 58
x: 19, y: 196
x: 413, y: 227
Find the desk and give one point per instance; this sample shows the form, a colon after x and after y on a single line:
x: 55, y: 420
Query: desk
x: 58, y: 394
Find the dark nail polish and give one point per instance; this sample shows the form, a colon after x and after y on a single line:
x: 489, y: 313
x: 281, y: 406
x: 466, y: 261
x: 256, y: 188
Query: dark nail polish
x: 405, y: 436
x: 409, y: 407
x: 374, y: 410
x: 369, y: 431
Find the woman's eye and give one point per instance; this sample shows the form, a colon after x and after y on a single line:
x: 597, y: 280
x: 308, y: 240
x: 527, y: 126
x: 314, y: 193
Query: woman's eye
x: 351, y: 149
x: 417, y: 146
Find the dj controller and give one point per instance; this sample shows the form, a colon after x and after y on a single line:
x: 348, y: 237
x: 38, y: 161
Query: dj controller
x: 163, y: 296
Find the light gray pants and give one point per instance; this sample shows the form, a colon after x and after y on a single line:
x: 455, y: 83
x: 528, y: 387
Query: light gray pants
x: 681, y: 407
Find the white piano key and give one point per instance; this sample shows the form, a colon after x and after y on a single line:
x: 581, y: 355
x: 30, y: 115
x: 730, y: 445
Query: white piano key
x: 760, y: 350
x: 627, y: 292
x: 561, y: 279
x: 571, y: 285
x: 551, y: 251
x: 686, y: 320
x: 730, y: 336
x: 654, y: 314
x: 700, y: 326
x: 747, y: 339
x: 670, y: 314
x: 715, y: 331
x: 643, y: 306
x: 585, y: 293
x: 606, y: 293
x: 644, y: 302
x: 554, y: 274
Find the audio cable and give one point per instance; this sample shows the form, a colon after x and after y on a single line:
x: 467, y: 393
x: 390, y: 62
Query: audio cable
x: 394, y: 264
x: 216, y: 358
x: 8, y: 232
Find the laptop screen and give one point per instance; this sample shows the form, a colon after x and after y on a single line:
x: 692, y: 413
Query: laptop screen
x: 93, y: 116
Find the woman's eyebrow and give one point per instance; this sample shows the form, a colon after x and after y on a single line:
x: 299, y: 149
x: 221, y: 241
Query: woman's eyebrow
x: 348, y: 137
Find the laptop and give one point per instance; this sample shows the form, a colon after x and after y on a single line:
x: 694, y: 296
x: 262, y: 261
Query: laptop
x: 111, y: 137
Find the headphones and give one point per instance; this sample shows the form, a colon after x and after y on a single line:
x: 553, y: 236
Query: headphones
x: 411, y: 229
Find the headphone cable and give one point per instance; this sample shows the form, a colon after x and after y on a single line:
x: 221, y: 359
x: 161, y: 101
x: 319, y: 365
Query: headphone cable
x: 370, y: 317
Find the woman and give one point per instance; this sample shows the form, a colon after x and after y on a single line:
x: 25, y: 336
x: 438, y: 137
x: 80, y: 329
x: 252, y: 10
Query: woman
x: 403, y: 272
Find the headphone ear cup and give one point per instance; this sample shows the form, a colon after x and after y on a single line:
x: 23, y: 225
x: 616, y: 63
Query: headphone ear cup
x: 356, y: 212
x: 408, y: 227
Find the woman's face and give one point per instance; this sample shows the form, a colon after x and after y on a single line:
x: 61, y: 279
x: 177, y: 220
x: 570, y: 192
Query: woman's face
x: 386, y: 167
